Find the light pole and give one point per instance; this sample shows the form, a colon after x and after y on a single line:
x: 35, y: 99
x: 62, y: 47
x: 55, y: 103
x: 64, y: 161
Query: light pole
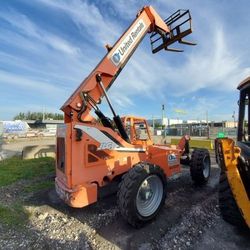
x: 233, y: 116
x: 207, y: 124
x: 153, y: 122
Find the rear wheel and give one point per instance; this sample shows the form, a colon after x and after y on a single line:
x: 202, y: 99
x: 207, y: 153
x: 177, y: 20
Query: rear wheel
x: 142, y: 193
x: 200, y: 166
x: 228, y: 206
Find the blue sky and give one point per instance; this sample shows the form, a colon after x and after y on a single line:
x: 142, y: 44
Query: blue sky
x: 48, y: 47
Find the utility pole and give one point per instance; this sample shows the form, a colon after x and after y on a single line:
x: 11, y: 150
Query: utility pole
x: 207, y: 124
x: 153, y: 123
x: 234, y: 118
x: 43, y: 114
x: 163, y: 116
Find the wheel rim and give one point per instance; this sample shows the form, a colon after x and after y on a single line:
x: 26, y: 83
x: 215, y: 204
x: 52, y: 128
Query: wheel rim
x: 206, y: 167
x: 149, y: 195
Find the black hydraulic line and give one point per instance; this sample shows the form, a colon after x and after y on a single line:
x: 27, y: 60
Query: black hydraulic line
x: 121, y: 128
x: 93, y: 101
x: 99, y: 80
x: 116, y: 118
x: 83, y: 108
x: 104, y: 120
x: 86, y: 98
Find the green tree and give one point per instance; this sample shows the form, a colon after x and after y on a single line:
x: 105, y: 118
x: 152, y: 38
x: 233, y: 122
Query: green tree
x: 37, y: 116
x: 158, y: 125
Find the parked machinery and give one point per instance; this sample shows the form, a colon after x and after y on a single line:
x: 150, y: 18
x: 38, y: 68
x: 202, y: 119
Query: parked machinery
x: 94, y: 153
x: 234, y: 160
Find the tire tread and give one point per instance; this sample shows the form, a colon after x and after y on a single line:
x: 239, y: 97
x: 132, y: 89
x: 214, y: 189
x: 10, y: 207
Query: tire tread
x: 126, y: 191
x: 228, y: 206
x: 196, y: 165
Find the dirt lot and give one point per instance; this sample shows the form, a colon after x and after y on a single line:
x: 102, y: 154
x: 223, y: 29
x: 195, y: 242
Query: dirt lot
x: 190, y: 219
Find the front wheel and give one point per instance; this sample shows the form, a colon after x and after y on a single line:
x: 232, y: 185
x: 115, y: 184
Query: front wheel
x: 142, y: 193
x: 200, y: 166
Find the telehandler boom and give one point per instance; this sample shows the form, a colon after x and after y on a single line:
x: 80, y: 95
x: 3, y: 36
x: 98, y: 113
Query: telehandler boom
x: 96, y: 153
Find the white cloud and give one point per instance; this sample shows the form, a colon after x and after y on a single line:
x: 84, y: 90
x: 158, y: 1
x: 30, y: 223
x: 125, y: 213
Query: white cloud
x: 41, y: 54
x: 28, y: 28
x: 27, y: 83
x: 128, y: 9
x: 88, y: 19
x: 211, y: 66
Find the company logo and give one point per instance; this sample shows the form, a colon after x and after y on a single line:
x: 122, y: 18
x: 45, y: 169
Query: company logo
x: 116, y: 58
x: 172, y: 157
x: 128, y: 42
x: 172, y: 160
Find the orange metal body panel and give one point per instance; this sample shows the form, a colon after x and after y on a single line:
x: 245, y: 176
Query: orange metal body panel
x: 108, y: 160
x: 88, y: 167
x: 80, y: 196
x: 166, y: 157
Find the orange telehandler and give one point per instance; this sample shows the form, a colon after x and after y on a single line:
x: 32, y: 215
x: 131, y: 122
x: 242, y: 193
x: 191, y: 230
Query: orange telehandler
x: 95, y: 153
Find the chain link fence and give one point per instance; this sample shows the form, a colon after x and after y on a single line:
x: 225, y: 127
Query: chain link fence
x: 227, y: 132
x: 200, y: 131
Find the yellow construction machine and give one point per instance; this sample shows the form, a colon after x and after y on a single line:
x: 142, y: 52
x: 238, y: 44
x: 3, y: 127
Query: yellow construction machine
x: 234, y: 160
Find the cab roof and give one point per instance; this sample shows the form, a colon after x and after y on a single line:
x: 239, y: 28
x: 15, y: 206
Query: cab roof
x: 244, y: 84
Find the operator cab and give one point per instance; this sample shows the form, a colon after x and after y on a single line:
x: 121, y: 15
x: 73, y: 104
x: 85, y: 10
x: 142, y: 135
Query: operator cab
x: 137, y: 130
x: 243, y: 136
x: 244, y: 112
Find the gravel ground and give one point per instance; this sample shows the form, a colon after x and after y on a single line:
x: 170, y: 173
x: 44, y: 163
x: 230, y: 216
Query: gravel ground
x: 190, y: 219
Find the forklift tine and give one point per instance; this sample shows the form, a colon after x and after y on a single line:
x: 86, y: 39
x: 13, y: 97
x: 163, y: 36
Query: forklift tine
x: 173, y: 49
x: 187, y: 42
x: 180, y: 25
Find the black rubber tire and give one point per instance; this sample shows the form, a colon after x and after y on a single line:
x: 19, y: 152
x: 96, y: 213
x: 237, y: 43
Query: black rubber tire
x: 128, y: 188
x: 198, y: 157
x: 185, y: 161
x: 227, y: 204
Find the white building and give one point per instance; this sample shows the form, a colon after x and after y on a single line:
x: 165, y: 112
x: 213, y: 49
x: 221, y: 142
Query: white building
x: 168, y: 122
